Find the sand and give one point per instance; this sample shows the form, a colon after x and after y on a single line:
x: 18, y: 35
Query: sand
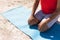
x: 8, y: 31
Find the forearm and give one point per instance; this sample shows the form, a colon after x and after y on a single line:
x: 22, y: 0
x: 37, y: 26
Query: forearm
x: 57, y: 12
x: 54, y: 15
x: 35, y: 6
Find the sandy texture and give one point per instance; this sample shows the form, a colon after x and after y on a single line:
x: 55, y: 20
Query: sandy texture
x: 7, y: 30
x: 9, y: 4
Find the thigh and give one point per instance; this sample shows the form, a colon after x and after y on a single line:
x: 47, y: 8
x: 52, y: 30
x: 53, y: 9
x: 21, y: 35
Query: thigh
x: 39, y: 15
x: 42, y: 26
x: 46, y: 21
x: 53, y: 21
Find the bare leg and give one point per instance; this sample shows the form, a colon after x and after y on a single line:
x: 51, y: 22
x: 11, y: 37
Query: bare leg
x: 32, y: 20
x: 42, y: 26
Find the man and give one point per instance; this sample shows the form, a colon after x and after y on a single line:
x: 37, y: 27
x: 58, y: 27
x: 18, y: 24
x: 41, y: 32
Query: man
x: 47, y: 16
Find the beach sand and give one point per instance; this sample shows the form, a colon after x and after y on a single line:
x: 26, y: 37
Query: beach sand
x: 8, y: 31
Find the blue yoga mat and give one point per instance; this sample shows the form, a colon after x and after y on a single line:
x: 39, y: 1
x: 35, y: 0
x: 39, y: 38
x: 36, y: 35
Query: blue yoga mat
x: 19, y: 17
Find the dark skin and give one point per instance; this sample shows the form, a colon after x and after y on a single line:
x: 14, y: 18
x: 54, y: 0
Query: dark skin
x: 36, y: 3
x: 42, y: 26
x: 32, y: 20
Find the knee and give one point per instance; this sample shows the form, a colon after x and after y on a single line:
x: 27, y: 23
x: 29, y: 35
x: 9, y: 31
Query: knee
x: 30, y: 21
x: 42, y: 27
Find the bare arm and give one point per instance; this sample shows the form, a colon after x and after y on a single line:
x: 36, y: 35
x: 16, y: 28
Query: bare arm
x: 58, y: 5
x: 56, y: 13
x: 35, y: 6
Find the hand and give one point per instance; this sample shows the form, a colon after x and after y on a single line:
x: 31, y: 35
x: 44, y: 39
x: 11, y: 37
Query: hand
x: 32, y: 17
x: 32, y: 20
